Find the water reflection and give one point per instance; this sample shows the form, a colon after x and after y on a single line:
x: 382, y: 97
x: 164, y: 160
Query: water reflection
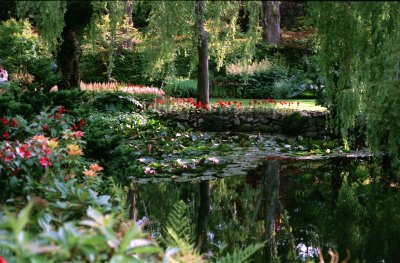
x: 346, y: 209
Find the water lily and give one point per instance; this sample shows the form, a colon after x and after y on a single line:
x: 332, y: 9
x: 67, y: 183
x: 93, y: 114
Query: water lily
x: 148, y: 170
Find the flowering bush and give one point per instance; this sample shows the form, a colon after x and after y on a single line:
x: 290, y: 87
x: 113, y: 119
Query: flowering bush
x: 49, y: 147
x: 100, y: 86
x: 138, y: 89
x: 177, y: 104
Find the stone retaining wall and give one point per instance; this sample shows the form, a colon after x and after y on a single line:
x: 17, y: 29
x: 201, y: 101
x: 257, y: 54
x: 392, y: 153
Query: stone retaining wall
x: 304, y: 123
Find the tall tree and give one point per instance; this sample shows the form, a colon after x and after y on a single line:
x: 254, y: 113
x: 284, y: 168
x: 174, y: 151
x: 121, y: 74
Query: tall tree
x: 271, y: 21
x: 61, y: 25
x: 189, y: 27
x: 202, y: 46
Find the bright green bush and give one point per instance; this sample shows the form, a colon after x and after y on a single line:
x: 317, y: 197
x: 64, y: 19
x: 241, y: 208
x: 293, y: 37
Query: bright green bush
x: 23, y: 52
x: 181, y: 88
x: 283, y: 89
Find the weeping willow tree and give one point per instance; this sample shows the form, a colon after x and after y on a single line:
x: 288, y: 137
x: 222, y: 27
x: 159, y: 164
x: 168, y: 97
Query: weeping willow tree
x: 196, y: 29
x: 359, y: 52
x: 62, y: 24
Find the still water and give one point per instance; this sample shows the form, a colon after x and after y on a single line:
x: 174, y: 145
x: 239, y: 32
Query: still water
x: 343, y: 209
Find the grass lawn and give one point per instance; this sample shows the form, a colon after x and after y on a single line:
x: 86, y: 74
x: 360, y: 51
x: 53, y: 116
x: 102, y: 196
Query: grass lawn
x: 307, y: 104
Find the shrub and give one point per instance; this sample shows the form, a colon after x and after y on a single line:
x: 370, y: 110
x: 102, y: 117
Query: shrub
x: 186, y: 88
x: 242, y: 69
x: 283, y: 89
x: 30, y: 152
x: 253, y: 81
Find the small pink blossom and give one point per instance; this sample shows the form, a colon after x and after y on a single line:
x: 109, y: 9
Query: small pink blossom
x: 148, y: 170
x: 78, y: 134
x: 214, y: 160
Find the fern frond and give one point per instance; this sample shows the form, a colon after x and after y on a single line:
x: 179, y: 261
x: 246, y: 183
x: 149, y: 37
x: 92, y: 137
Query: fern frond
x: 178, y: 227
x: 241, y: 255
x: 119, y: 198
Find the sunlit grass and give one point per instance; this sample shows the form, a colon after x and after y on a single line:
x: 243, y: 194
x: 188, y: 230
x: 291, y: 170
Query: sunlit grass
x: 304, y: 104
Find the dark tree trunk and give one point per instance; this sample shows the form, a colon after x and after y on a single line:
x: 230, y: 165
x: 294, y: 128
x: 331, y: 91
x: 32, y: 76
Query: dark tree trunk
x: 77, y: 17
x: 202, y: 47
x: 68, y: 61
x: 271, y: 194
x: 271, y: 21
x: 203, y: 214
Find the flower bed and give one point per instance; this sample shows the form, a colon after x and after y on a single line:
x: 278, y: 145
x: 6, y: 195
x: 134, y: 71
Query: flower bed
x: 257, y: 116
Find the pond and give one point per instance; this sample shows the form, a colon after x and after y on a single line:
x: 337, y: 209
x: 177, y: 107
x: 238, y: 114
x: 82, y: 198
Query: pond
x: 340, y: 204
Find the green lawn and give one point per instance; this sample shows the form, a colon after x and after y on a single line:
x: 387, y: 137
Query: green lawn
x: 307, y: 104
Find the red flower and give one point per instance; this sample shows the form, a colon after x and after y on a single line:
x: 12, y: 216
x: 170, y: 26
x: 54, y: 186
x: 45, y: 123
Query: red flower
x: 13, y: 123
x: 4, y: 121
x: 255, y: 101
x: 43, y: 161
x: 81, y: 122
x: 249, y: 103
x: 45, y: 127
x: 61, y: 110
x: 2, y: 260
x: 6, y: 135
x: 74, y: 127
x: 27, y: 154
x: 57, y: 116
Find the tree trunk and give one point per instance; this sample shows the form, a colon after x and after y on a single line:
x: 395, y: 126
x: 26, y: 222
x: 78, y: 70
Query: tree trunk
x: 77, y: 17
x: 271, y: 193
x: 203, y: 214
x: 271, y: 21
x: 202, y: 47
x: 68, y: 60
x: 128, y: 12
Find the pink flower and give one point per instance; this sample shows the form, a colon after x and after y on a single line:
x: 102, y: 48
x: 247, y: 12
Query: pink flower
x: 214, y: 160
x: 78, y: 134
x: 43, y: 162
x: 148, y: 170
x: 20, y: 151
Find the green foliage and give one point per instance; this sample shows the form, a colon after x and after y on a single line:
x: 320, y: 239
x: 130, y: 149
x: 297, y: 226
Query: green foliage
x: 23, y: 52
x: 349, y: 213
x: 282, y: 89
x: 186, y: 88
x: 361, y: 65
x: 170, y: 35
x: 96, y: 238
x: 92, y: 68
x: 20, y: 46
x: 178, y: 226
x: 259, y: 84
x: 242, y: 255
x: 50, y: 26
